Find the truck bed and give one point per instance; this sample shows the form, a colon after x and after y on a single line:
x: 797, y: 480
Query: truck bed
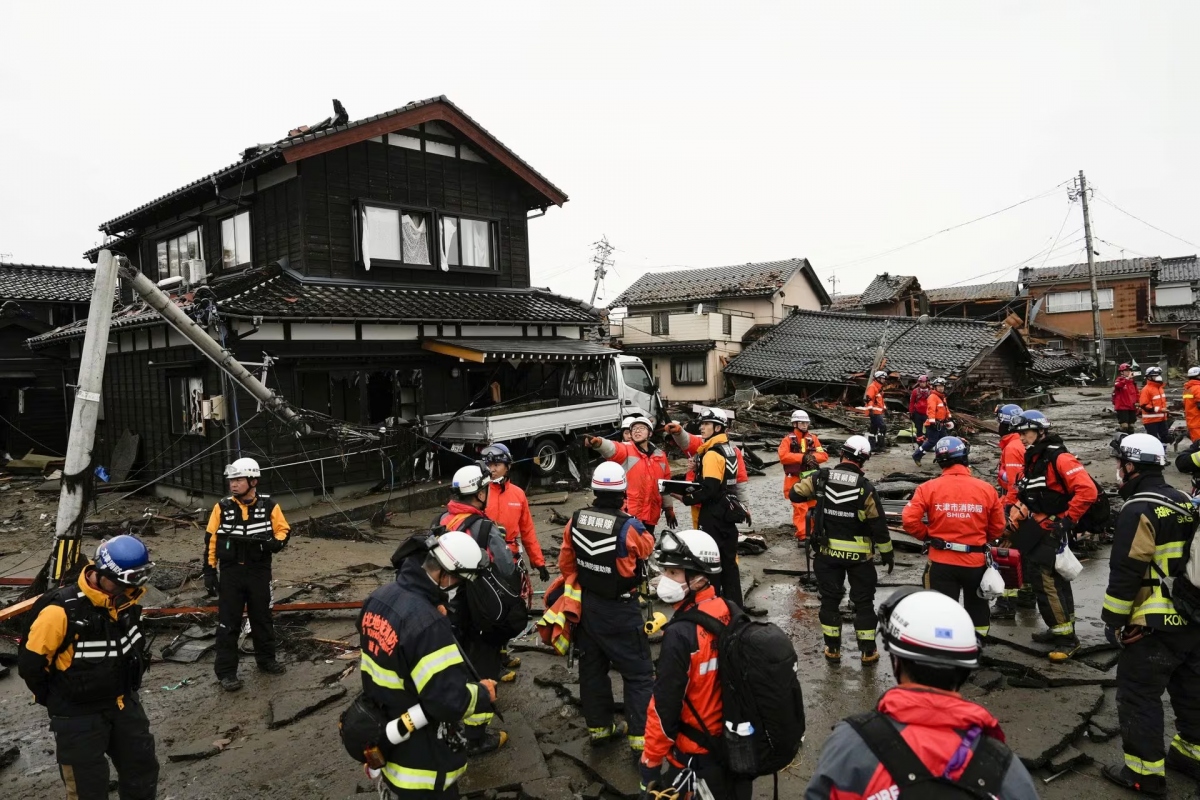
x: 508, y: 423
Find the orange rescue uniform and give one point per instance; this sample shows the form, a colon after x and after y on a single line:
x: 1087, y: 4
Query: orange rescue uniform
x: 1153, y: 403
x: 1191, y: 408
x: 794, y: 469
x: 875, y: 401
x: 1012, y: 465
x: 961, y: 510
x: 508, y: 507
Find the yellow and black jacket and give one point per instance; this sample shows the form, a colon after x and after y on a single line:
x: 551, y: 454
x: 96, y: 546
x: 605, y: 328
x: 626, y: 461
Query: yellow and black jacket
x: 849, y: 519
x: 1149, y: 545
x: 238, y: 533
x: 83, y: 654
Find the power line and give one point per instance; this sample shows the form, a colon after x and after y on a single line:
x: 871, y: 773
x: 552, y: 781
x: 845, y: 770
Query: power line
x: 1107, y: 201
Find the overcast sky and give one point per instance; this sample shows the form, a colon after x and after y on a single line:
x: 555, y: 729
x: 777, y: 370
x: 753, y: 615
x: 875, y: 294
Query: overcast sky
x: 690, y: 134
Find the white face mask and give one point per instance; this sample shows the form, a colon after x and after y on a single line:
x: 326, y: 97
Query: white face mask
x: 453, y: 590
x: 1120, y: 477
x: 670, y: 591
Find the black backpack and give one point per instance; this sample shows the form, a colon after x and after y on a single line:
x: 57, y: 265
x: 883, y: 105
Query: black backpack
x: 760, y: 695
x: 981, y: 779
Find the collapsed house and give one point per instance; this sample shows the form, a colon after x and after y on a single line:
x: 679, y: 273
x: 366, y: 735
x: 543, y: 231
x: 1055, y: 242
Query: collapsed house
x: 823, y: 354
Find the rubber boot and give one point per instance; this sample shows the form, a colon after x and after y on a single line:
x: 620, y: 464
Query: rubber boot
x: 609, y: 734
x: 492, y: 740
x: 1153, y: 785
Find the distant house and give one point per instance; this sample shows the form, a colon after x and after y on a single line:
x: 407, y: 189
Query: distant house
x: 846, y: 302
x: 992, y: 301
x: 33, y: 299
x: 1176, y: 306
x: 894, y: 295
x: 829, y: 354
x: 688, y: 324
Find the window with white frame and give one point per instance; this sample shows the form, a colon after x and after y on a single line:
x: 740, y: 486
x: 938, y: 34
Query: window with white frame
x: 174, y: 251
x: 235, y: 240
x: 1179, y: 295
x: 1063, y: 302
x: 400, y: 236
x: 466, y: 243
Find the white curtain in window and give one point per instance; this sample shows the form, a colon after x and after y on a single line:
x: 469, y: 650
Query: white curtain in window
x: 381, y: 235
x: 449, y: 243
x: 476, y: 246
x: 416, y: 239
x: 689, y: 370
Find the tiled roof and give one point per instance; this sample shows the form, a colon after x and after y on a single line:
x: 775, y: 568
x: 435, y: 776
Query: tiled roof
x: 739, y: 280
x: 887, y: 289
x: 268, y: 156
x: 1179, y: 269
x: 825, y: 346
x: 1049, y: 364
x: 1103, y: 269
x: 667, y: 348
x: 998, y: 290
x: 44, y: 283
x: 1172, y: 314
x: 845, y: 302
x: 270, y: 294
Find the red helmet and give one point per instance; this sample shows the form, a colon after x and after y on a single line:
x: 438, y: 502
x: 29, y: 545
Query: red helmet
x: 1123, y: 368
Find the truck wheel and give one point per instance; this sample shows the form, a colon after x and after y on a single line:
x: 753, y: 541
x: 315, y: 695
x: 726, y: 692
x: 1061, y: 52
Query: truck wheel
x: 547, y: 455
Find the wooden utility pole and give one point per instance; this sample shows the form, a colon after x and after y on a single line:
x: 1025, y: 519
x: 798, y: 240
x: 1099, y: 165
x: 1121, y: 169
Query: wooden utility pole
x: 1097, y: 330
x: 68, y: 527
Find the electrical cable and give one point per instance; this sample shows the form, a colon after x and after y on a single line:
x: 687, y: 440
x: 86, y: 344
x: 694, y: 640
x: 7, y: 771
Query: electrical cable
x: 30, y: 438
x: 1108, y: 201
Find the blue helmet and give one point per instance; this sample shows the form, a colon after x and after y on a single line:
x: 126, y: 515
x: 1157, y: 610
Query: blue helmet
x: 124, y: 559
x: 496, y: 454
x: 950, y: 450
x: 1009, y: 413
x: 1032, y: 421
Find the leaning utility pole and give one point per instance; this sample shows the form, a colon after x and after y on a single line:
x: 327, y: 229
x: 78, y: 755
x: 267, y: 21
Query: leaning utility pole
x: 68, y: 527
x: 1097, y: 330
x: 603, y: 261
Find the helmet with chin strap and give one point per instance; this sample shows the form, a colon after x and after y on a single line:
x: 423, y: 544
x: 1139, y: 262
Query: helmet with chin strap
x: 691, y: 550
x: 927, y: 627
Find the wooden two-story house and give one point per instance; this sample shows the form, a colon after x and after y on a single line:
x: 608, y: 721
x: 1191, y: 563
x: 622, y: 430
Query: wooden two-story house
x: 373, y: 269
x: 686, y: 325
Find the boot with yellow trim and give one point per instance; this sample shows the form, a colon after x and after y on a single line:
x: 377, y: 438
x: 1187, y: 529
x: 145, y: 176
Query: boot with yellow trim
x: 869, y: 657
x: 637, y: 744
x: 508, y: 677
x: 509, y: 661
x: 609, y: 734
x: 832, y: 655
x: 489, y: 742
x: 1184, y: 757
x: 1123, y: 776
x: 1063, y: 648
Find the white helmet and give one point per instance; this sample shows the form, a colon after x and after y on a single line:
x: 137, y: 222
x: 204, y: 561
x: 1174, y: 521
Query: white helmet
x: 857, y: 447
x: 470, y: 480
x: 458, y: 554
x: 625, y: 423
x: 880, y: 374
x: 609, y: 477
x: 715, y: 415
x: 243, y: 468
x: 690, y: 550
x: 799, y: 416
x: 1193, y: 372
x: 639, y: 420
x: 1141, y: 448
x: 928, y: 627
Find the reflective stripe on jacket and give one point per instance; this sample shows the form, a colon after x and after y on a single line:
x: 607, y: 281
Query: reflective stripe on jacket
x: 875, y: 402
x: 936, y: 408
x: 1011, y: 466
x: 792, y: 451
x: 643, y: 471
x: 1191, y: 408
x: 1153, y: 403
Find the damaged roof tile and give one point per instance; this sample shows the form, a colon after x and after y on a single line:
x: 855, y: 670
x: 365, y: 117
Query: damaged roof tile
x: 739, y: 280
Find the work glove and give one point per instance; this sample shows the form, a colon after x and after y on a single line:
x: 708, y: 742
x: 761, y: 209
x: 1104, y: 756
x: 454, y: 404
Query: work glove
x: 544, y: 573
x: 889, y: 559
x: 210, y: 581
x: 490, y: 686
x: 949, y: 424
x: 672, y: 521
x: 648, y: 774
x: 591, y: 442
x: 275, y: 545
x: 1113, y: 635
x: 1063, y: 526
x: 809, y: 462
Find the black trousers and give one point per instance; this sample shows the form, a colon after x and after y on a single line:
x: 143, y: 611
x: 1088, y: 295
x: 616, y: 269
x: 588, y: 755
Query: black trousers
x: 489, y: 662
x: 1126, y: 418
x: 832, y: 574
x: 1159, y: 430
x: 726, y: 536
x: 933, y: 435
x: 243, y: 586
x: 610, y: 635
x: 123, y: 734
x: 1054, y: 596
x: 1161, y: 660
x: 722, y: 785
x: 952, y: 581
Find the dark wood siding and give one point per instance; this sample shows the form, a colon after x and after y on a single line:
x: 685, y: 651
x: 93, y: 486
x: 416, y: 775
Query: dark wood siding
x: 40, y: 423
x: 1000, y: 368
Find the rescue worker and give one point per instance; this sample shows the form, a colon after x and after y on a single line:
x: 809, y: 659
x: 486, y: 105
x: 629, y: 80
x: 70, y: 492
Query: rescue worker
x: 1160, y: 647
x: 465, y: 513
x: 801, y: 454
x: 1191, y: 406
x: 716, y: 466
x: 244, y: 531
x: 626, y: 435
x: 1189, y: 464
x: 645, y: 464
x: 689, y: 444
x: 1055, y: 492
x: 412, y: 669
x: 849, y: 527
x: 876, y: 408
x: 687, y: 698
x: 83, y: 659
x: 1153, y: 404
x: 606, y: 549
x: 933, y: 652
x: 917, y: 400
x: 963, y: 514
x: 508, y: 507
x: 1008, y: 473
x: 1125, y: 399
x: 937, y: 423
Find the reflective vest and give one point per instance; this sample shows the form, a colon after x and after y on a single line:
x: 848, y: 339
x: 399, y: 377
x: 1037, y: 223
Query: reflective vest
x: 808, y: 444
x: 841, y: 504
x: 244, y: 540
x: 1174, y: 521
x: 729, y: 453
x: 596, y: 538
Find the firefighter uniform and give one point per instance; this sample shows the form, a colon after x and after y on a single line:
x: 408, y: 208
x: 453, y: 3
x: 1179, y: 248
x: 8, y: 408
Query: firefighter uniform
x: 1191, y: 409
x: 800, y: 456
x: 606, y: 550
x: 716, y: 468
x: 849, y: 527
x: 964, y: 514
x: 1054, y: 487
x: 1011, y: 467
x: 877, y: 419
x: 937, y: 421
x: 689, y: 445
x: 1153, y: 404
x: 83, y: 659
x: 240, y: 539
x: 508, y: 507
x: 1148, y: 551
x: 643, y: 470
x: 410, y: 657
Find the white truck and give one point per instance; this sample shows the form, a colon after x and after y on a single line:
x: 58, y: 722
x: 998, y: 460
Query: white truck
x: 593, y: 398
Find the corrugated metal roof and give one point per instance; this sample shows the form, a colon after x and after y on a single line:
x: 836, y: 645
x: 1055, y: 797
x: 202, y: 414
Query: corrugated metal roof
x: 998, y: 290
x: 825, y: 346
x: 39, y: 282
x: 738, y: 280
x: 1103, y: 269
x: 887, y: 289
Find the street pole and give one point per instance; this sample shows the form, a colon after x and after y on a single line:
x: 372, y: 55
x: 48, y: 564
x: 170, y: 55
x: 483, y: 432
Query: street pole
x: 68, y: 527
x: 1097, y: 331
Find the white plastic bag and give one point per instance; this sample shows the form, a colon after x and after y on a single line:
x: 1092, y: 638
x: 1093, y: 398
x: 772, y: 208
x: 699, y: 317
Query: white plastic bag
x: 1067, y: 565
x: 992, y: 584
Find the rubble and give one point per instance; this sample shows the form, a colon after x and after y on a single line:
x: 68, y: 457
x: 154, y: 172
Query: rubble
x: 194, y: 751
x: 289, y: 706
x: 1062, y: 716
x: 547, y: 789
x: 610, y: 763
x: 519, y: 761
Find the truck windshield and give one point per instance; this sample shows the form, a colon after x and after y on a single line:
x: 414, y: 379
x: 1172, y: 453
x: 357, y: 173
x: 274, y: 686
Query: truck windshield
x: 635, y: 378
x: 588, y: 380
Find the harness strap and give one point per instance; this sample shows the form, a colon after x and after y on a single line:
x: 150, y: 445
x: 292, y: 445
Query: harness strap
x: 955, y: 547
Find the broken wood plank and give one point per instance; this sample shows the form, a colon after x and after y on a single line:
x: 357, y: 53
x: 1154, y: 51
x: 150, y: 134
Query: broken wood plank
x: 164, y: 612
x: 17, y: 609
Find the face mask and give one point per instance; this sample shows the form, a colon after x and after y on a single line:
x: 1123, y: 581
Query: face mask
x: 1120, y: 477
x: 453, y: 590
x: 670, y: 591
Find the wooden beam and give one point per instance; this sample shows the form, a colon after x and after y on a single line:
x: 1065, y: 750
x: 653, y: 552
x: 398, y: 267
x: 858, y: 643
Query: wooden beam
x: 167, y: 612
x: 17, y: 609
x: 16, y: 581
x: 466, y: 354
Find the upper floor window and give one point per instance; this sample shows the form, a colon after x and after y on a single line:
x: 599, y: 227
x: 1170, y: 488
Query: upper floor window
x: 397, y: 234
x: 660, y: 323
x: 173, y: 252
x: 235, y: 240
x: 726, y: 324
x: 466, y: 243
x: 1062, y: 302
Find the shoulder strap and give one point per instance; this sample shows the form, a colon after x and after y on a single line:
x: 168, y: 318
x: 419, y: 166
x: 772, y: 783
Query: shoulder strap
x: 698, y: 617
x: 1155, y: 497
x: 986, y: 770
x: 905, y: 767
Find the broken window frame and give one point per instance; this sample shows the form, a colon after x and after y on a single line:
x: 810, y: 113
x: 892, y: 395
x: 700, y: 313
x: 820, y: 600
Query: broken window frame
x: 185, y: 397
x: 680, y: 361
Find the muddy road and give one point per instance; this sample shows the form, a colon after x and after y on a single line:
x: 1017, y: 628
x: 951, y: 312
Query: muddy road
x: 277, y: 738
